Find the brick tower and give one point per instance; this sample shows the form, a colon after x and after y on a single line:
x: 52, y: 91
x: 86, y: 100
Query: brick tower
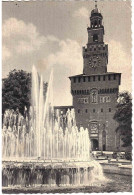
x: 95, y: 91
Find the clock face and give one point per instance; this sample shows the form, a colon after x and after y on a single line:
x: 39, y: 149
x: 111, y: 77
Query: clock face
x: 94, y: 61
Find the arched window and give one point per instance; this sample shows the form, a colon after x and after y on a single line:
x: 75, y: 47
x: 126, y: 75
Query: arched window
x: 108, y: 99
x: 95, y: 38
x: 99, y: 22
x: 105, y: 99
x: 95, y: 23
x: 94, y: 97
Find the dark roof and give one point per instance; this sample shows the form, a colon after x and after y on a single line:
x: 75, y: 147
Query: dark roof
x: 85, y: 75
x: 63, y: 107
x: 95, y: 14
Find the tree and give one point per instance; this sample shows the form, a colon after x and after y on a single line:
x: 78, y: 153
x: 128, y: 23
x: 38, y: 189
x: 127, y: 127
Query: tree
x: 16, y: 91
x: 123, y: 116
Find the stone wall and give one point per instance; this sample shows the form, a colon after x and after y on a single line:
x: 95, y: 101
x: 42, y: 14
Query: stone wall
x: 101, y: 111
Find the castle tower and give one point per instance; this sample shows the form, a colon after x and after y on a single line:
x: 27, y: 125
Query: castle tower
x: 95, y: 91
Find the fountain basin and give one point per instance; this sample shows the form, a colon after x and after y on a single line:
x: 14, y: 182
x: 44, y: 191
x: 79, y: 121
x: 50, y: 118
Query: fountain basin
x: 46, y: 172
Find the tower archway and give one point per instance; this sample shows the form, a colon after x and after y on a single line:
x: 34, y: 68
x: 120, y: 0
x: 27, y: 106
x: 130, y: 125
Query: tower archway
x: 94, y: 144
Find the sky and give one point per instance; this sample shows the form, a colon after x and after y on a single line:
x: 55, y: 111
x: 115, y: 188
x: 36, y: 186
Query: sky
x: 50, y: 34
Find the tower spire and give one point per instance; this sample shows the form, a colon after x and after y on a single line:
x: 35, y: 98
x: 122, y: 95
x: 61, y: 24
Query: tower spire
x: 95, y: 3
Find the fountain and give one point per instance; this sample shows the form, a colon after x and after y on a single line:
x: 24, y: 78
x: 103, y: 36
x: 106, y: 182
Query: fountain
x: 37, y: 151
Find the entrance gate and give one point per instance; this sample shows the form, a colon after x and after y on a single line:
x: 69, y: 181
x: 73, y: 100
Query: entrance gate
x: 94, y: 144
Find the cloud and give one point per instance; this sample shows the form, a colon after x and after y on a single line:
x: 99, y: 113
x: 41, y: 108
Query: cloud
x: 5, y: 53
x: 20, y: 37
x: 81, y: 12
x: 52, y: 38
x: 69, y: 56
x: 120, y: 61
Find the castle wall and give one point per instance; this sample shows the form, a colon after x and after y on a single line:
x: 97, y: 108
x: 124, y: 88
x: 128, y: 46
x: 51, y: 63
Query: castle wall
x: 102, y: 111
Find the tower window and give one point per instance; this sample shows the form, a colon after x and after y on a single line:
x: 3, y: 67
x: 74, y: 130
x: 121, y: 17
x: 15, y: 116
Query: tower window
x: 88, y: 79
x: 103, y: 78
x: 94, y: 97
x: 109, y: 77
x: 95, y: 23
x: 114, y: 76
x: 102, y: 91
x: 84, y: 79
x: 74, y: 80
x: 101, y: 109
x: 78, y: 110
x: 95, y: 38
x: 86, y: 111
x: 93, y: 78
x: 98, y: 78
x: 108, y: 99
x: 101, y: 99
x: 93, y: 110
x: 79, y: 79
x: 105, y: 99
x: 109, y: 109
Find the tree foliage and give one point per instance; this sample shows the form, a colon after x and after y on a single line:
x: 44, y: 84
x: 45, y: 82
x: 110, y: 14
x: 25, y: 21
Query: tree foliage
x: 123, y: 116
x: 16, y: 91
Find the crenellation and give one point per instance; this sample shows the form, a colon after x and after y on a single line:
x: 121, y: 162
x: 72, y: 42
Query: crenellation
x: 105, y: 77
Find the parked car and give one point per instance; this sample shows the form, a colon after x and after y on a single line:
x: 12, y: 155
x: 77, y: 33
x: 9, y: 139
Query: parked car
x: 121, y: 155
x: 97, y: 154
